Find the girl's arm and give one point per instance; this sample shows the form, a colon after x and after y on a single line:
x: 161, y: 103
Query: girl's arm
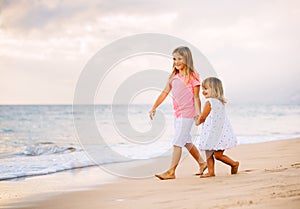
x: 159, y: 100
x: 197, y: 100
x: 205, y: 113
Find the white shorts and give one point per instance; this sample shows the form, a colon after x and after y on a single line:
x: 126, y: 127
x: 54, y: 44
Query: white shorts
x: 182, y: 133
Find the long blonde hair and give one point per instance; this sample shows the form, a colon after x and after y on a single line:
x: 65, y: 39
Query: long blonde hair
x: 216, y: 88
x: 189, y: 70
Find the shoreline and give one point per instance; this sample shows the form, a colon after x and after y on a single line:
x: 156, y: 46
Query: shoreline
x: 268, y: 178
x: 73, y: 170
x: 42, y: 187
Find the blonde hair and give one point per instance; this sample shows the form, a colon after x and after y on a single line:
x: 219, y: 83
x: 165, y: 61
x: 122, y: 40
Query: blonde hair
x: 189, y: 70
x: 216, y: 88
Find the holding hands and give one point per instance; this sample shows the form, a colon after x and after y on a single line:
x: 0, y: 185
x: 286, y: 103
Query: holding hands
x: 152, y: 113
x: 197, y: 120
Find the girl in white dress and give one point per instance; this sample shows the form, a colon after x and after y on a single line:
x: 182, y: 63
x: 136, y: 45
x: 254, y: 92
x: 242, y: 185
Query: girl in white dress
x: 216, y: 134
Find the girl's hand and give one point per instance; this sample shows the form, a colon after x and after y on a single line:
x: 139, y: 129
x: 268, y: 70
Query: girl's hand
x: 152, y: 113
x: 197, y: 120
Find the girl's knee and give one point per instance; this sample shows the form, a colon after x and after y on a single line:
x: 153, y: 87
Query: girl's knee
x: 209, y: 154
x: 218, y: 155
x: 189, y: 145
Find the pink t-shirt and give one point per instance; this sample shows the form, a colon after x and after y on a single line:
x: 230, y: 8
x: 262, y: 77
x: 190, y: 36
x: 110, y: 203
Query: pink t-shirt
x: 183, y: 96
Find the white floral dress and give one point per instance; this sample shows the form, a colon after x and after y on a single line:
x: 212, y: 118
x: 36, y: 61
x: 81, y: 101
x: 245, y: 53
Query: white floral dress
x: 216, y: 133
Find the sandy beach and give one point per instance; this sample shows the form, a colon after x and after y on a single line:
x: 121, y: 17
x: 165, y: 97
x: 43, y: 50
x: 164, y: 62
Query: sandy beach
x: 269, y: 177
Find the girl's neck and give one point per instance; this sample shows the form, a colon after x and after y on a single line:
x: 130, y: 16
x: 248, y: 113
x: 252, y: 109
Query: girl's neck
x: 181, y: 73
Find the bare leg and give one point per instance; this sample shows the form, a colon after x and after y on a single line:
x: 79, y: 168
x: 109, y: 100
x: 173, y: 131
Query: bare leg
x: 170, y: 174
x: 175, y: 159
x: 225, y: 159
x: 210, y: 164
x: 196, y: 155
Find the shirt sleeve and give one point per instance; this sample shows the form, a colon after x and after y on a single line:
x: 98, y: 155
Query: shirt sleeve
x: 195, y: 80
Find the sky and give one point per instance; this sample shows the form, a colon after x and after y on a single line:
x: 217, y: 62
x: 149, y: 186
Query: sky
x: 253, y: 45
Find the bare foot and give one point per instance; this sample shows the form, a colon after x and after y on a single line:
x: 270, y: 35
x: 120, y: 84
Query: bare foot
x: 207, y: 175
x: 203, y: 167
x: 234, y: 169
x: 165, y: 176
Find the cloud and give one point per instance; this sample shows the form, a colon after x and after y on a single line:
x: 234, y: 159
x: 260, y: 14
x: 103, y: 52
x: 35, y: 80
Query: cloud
x: 246, y: 42
x: 71, y: 28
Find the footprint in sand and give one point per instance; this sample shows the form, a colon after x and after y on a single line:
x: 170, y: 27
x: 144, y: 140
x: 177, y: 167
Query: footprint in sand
x: 296, y: 165
x: 276, y: 169
x: 248, y: 170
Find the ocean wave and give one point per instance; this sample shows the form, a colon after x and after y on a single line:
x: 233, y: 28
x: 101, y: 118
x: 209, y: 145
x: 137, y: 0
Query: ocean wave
x: 21, y: 175
x: 47, y: 149
x: 27, y: 166
x: 6, y: 130
x: 47, y: 158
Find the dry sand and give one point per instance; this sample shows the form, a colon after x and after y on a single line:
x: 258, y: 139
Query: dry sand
x: 269, y: 177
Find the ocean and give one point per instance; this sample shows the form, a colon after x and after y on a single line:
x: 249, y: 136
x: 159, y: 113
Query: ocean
x: 42, y: 139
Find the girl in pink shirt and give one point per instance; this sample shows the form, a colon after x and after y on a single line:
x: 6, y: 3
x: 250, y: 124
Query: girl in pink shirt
x: 184, y: 84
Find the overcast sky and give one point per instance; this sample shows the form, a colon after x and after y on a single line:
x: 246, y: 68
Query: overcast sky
x: 253, y: 45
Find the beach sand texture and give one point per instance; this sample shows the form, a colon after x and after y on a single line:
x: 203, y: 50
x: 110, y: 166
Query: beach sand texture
x: 269, y: 177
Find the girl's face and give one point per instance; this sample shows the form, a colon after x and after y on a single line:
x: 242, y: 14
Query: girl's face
x: 206, y: 91
x: 178, y: 61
